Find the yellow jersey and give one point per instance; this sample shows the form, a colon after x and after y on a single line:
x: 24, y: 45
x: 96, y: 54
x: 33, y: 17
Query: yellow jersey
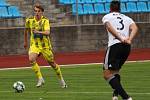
x: 38, y: 40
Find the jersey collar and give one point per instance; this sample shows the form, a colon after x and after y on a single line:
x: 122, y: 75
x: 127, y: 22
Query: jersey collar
x: 40, y: 19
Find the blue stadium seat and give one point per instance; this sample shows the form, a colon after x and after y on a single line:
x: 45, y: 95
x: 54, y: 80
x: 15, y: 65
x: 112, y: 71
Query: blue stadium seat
x: 14, y: 12
x: 133, y: 0
x: 89, y: 1
x: 3, y: 3
x: 149, y: 6
x: 61, y: 1
x: 143, y: 0
x: 124, y: 0
x: 4, y: 13
x: 107, y: 7
x: 72, y: 1
x: 100, y: 1
x: 65, y: 1
x: 81, y: 1
x: 131, y: 7
x: 80, y: 9
x: 88, y: 9
x: 142, y: 7
x: 99, y: 8
x: 108, y: 0
x: 93, y: 1
x: 123, y: 8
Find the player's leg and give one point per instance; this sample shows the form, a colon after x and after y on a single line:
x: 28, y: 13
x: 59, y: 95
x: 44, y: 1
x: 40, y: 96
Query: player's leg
x: 57, y: 69
x: 115, y: 92
x: 48, y: 55
x: 33, y: 54
x: 111, y: 70
x: 113, y: 79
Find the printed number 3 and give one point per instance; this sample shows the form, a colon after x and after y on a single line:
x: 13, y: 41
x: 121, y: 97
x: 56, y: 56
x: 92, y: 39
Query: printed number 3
x: 121, y: 22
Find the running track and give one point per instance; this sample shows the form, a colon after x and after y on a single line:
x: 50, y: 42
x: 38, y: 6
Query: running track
x: 70, y: 58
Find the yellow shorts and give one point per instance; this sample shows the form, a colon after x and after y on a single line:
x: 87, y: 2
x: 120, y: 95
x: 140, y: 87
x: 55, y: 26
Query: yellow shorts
x: 47, y: 53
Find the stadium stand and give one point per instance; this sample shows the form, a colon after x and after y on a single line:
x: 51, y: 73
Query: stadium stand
x: 149, y: 6
x: 142, y: 7
x: 89, y: 1
x: 124, y: 0
x: 143, y: 0
x: 72, y: 1
x: 9, y: 11
x: 65, y: 1
x: 131, y: 7
x: 102, y: 6
x: 64, y: 11
x: 99, y: 8
x: 4, y: 13
x: 72, y: 41
x: 132, y: 0
x: 3, y: 3
x: 107, y: 5
x: 14, y: 12
x: 88, y: 9
x: 100, y: 1
x: 80, y: 1
x: 108, y: 0
x: 123, y: 7
x: 80, y: 9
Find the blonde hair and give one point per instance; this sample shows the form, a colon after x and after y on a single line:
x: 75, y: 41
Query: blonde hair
x: 39, y: 7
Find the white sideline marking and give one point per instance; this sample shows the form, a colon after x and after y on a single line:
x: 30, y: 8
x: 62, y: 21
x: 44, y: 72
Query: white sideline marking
x: 49, y: 66
x: 34, y: 92
x: 71, y: 65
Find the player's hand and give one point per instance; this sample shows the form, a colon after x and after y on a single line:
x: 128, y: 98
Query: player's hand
x: 123, y: 39
x: 25, y: 45
x: 128, y: 41
x: 35, y: 31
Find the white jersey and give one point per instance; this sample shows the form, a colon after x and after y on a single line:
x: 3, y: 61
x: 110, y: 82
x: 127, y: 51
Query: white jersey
x: 120, y: 23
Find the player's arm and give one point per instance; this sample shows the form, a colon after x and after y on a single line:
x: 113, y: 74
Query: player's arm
x: 46, y: 29
x: 46, y: 32
x: 133, y: 31
x: 110, y: 28
x: 26, y: 30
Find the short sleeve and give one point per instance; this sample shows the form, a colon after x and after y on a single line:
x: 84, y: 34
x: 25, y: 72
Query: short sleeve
x: 27, y: 23
x: 47, y: 25
x: 104, y: 19
x: 130, y: 21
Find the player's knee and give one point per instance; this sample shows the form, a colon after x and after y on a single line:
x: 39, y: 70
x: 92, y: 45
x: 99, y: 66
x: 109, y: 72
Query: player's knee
x: 32, y: 57
x: 106, y: 76
x: 53, y: 64
x: 32, y: 60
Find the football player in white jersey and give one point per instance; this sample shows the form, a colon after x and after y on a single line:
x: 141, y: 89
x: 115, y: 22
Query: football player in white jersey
x: 121, y: 31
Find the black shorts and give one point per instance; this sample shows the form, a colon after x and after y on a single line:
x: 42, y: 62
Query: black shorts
x: 116, y: 55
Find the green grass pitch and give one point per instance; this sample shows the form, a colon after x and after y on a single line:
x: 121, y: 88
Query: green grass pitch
x: 85, y: 82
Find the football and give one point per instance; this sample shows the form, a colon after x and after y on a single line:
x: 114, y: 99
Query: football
x: 19, y: 87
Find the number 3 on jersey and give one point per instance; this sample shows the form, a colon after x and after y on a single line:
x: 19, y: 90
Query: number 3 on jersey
x: 120, y: 20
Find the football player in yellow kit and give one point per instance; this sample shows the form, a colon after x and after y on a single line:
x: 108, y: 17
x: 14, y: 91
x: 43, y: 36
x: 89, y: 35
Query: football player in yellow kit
x: 39, y: 28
